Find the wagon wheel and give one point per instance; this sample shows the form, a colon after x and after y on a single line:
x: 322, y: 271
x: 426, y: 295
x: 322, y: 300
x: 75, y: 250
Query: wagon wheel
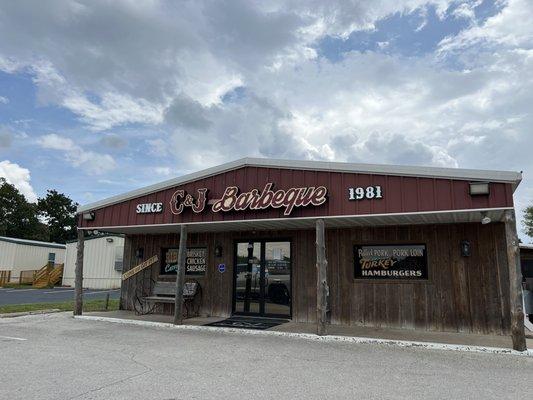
x: 197, y: 302
x: 141, y: 306
x: 192, y: 306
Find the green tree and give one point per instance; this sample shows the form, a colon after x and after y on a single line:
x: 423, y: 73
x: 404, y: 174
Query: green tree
x: 59, y: 213
x: 528, y: 221
x: 18, y: 217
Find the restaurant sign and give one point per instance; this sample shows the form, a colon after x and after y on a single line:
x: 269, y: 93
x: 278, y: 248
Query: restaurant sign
x: 195, y: 261
x: 234, y: 200
x: 393, y: 262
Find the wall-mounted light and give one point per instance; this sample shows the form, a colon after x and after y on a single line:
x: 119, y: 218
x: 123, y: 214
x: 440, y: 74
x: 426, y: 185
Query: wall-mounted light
x: 139, y: 253
x: 218, y: 250
x: 109, y: 240
x: 89, y: 216
x: 465, y: 248
x: 485, y: 219
x: 479, y: 188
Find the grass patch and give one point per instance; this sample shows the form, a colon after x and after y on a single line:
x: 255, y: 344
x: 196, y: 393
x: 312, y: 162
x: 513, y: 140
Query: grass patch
x: 90, y: 305
x: 17, y: 286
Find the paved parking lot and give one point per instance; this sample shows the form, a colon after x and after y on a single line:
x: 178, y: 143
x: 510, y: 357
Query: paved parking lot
x: 25, y: 296
x: 57, y: 357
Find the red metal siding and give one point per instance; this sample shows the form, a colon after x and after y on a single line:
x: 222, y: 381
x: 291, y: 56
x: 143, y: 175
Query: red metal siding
x: 400, y: 194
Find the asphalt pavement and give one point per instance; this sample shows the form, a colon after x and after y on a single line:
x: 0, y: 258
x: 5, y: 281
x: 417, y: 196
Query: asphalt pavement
x: 57, y: 357
x: 26, y: 296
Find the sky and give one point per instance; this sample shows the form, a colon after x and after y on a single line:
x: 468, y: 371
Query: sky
x: 101, y: 97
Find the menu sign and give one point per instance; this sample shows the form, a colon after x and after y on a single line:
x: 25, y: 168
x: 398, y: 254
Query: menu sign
x: 393, y: 262
x: 195, y: 261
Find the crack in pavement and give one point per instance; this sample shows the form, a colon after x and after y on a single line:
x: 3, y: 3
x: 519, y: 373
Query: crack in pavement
x: 132, y: 358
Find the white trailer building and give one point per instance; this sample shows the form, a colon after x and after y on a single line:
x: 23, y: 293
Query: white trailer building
x: 102, y: 262
x: 18, y: 255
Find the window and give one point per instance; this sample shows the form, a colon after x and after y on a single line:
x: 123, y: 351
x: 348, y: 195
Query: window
x: 52, y: 258
x: 119, y: 258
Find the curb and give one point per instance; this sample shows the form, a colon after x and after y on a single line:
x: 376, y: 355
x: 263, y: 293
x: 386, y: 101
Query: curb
x: 24, y: 313
x: 313, y: 337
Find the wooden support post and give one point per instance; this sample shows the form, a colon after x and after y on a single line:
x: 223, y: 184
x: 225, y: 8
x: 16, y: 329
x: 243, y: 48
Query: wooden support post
x: 78, y: 282
x: 515, y: 279
x: 180, y: 277
x: 107, y: 301
x: 322, y: 289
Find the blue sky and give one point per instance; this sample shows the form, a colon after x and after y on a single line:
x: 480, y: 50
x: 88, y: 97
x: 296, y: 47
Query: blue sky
x: 97, y: 98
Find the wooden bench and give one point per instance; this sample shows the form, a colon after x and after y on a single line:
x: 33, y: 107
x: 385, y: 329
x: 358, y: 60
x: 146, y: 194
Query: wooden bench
x: 165, y: 292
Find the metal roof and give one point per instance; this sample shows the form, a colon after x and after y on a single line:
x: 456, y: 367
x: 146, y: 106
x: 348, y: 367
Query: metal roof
x: 27, y: 242
x: 376, y: 169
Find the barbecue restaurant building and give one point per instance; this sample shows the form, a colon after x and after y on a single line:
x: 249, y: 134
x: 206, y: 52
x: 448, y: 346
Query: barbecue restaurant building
x: 406, y: 247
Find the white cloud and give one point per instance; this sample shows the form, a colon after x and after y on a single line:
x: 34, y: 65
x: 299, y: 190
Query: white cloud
x: 114, y: 109
x: 165, y: 171
x: 56, y: 142
x: 112, y: 71
x: 4, y: 100
x: 91, y: 162
x: 19, y: 177
x: 510, y: 27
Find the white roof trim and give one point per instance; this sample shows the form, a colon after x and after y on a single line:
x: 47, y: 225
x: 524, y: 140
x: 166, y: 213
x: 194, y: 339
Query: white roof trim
x: 28, y: 242
x: 377, y: 169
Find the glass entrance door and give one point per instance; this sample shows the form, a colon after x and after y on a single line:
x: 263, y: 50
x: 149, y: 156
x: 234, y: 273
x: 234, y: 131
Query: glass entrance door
x: 262, y: 281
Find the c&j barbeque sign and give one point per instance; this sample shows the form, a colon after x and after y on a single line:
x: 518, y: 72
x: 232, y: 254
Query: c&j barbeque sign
x: 393, y: 262
x: 234, y: 200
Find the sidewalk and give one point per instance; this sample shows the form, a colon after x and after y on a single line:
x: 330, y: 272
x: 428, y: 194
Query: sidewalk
x: 386, y: 334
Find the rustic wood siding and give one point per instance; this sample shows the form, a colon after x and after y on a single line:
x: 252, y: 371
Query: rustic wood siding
x: 466, y: 294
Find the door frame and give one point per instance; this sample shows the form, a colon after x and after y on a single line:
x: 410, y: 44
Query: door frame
x: 261, y: 242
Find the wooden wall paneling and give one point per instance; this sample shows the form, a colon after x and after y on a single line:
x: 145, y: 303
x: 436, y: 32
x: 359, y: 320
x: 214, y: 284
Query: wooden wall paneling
x: 433, y: 320
x: 344, y: 276
x: 420, y: 301
x: 357, y: 297
x: 474, y: 281
x: 483, y: 290
x: 368, y: 290
x: 460, y: 283
x: 447, y: 246
x: 498, y: 306
x: 406, y: 296
x: 485, y: 266
x: 392, y: 289
x: 332, y: 255
x: 379, y: 297
x: 500, y: 247
x: 310, y: 274
x: 464, y: 293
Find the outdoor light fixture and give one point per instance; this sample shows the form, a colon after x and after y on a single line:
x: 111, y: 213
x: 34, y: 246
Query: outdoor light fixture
x: 465, y: 248
x: 139, y: 253
x: 88, y: 216
x: 479, y: 188
x: 218, y: 250
x: 109, y: 240
x: 485, y: 219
